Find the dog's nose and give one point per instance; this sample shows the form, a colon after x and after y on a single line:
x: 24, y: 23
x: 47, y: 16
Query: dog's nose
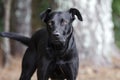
x: 56, y: 34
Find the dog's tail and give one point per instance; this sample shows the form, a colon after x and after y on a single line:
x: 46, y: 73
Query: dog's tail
x: 14, y: 36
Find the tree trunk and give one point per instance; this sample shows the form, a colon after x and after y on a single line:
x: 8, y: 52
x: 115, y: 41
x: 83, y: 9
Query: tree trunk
x: 94, y: 36
x: 21, y: 22
x: 6, y: 42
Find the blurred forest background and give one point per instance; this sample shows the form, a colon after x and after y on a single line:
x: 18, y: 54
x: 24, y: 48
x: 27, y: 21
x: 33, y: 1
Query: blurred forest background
x: 97, y: 36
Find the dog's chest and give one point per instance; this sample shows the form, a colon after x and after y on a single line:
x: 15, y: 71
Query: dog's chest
x: 60, y: 57
x: 58, y: 64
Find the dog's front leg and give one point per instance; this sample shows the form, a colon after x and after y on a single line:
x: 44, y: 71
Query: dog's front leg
x: 71, y: 70
x: 28, y: 64
x: 42, y: 72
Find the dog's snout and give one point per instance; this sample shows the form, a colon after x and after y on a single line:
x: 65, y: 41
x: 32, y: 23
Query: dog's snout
x: 56, y: 34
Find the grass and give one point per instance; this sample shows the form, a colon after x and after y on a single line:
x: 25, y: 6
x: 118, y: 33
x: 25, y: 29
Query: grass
x: 117, y: 36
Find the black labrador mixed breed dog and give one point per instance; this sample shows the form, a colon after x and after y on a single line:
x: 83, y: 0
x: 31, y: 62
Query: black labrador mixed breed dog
x: 51, y: 50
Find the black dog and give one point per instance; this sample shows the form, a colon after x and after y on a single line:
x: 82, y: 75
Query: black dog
x: 52, y: 50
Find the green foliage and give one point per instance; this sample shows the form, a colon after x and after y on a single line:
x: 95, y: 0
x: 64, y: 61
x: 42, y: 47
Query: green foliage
x: 44, y: 5
x: 1, y: 25
x: 1, y: 16
x: 116, y: 20
x: 37, y: 7
x: 116, y: 7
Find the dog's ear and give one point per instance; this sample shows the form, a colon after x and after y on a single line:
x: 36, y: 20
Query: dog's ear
x: 44, y: 14
x: 76, y: 12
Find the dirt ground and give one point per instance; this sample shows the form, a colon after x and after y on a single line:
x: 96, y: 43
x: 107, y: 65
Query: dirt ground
x: 85, y: 73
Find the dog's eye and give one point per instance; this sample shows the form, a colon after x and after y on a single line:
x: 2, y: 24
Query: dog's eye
x: 64, y: 22
x: 50, y: 23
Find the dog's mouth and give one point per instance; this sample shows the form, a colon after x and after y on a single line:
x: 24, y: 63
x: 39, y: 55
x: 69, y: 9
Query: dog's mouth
x: 58, y: 45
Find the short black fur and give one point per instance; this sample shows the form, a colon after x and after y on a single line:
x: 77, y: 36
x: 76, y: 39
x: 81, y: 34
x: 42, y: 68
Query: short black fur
x: 52, y: 50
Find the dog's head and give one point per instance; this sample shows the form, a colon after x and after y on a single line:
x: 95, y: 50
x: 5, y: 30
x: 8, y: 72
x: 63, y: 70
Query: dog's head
x: 59, y: 24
